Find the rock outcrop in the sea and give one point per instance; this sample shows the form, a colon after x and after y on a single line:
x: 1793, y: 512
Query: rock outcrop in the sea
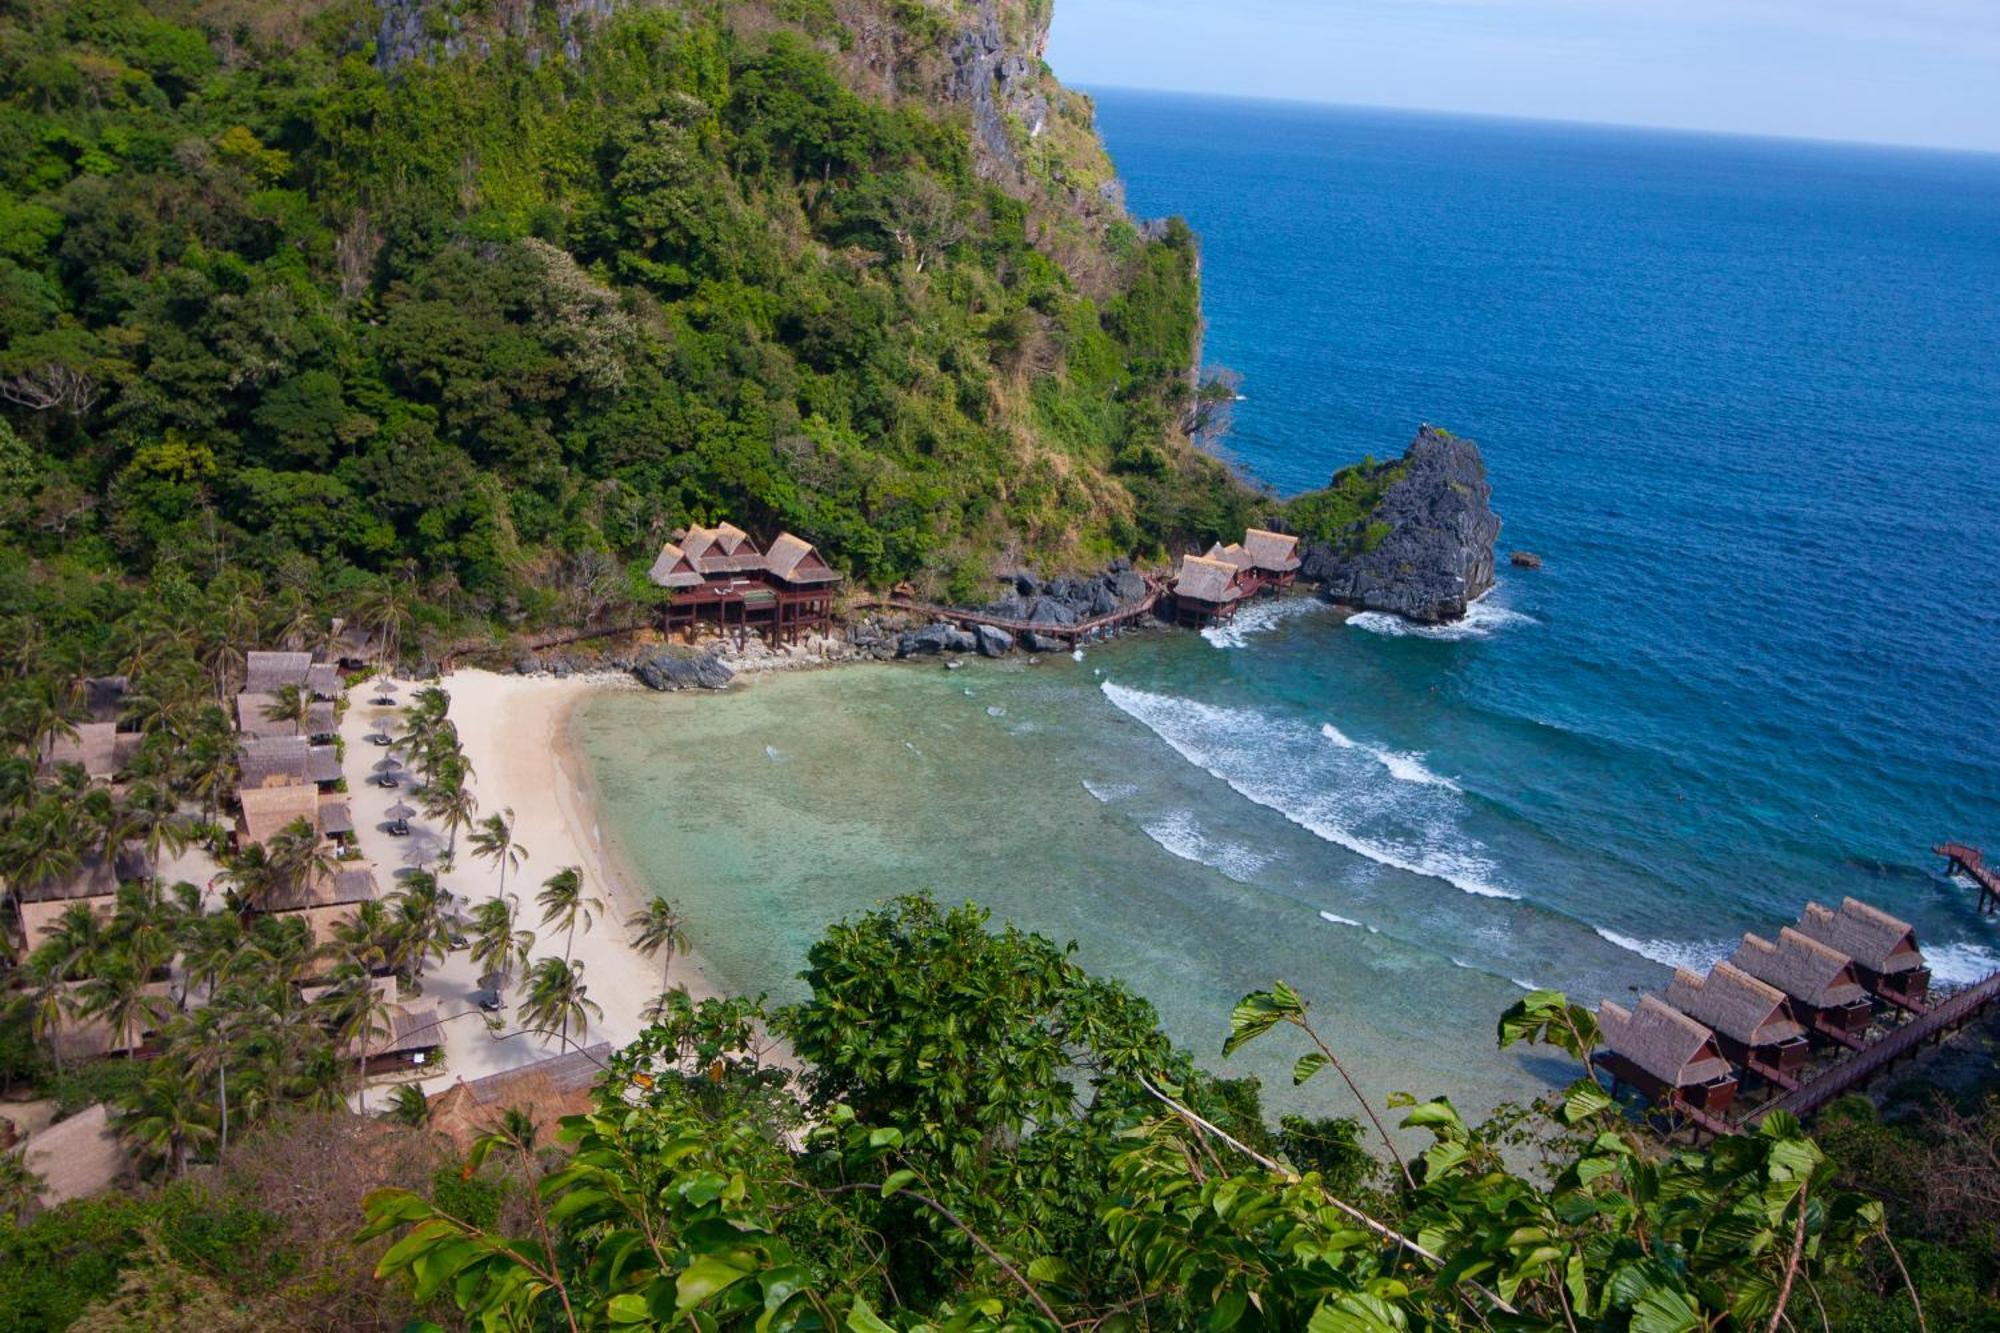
x: 1427, y: 552
x: 682, y: 669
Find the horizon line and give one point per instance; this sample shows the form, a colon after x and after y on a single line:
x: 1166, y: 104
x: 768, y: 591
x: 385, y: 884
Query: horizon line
x: 1568, y: 122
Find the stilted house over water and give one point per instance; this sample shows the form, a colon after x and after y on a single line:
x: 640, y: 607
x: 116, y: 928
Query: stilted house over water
x: 717, y: 576
x: 1752, y: 1021
x: 1207, y: 592
x: 1274, y: 556
x: 1668, y: 1056
x: 1826, y: 994
x: 1883, y: 949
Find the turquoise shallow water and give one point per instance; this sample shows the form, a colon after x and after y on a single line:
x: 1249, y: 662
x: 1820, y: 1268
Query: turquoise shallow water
x: 1741, y: 395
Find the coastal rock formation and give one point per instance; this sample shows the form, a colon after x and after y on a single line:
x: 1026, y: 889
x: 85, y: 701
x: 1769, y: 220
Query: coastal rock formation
x: 993, y: 642
x: 1069, y: 600
x: 1427, y: 554
x: 680, y: 669
x: 934, y: 639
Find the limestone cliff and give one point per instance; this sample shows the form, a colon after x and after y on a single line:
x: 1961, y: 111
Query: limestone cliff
x: 1426, y: 551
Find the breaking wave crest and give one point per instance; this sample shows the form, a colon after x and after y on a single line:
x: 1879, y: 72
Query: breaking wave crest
x: 1180, y: 834
x: 1961, y: 963
x: 1340, y: 796
x: 1259, y: 617
x: 1695, y: 955
x: 1402, y: 765
x: 1483, y: 619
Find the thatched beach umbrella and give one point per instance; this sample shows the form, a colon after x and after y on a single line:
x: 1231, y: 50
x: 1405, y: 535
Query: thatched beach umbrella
x: 399, y: 818
x: 390, y: 769
x: 385, y: 692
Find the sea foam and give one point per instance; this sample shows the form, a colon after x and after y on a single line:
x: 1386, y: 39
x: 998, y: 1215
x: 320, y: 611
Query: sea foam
x: 1483, y: 619
x: 1259, y: 617
x: 1695, y: 955
x: 1345, y: 801
x: 1180, y: 834
x: 1402, y: 765
x: 1961, y: 963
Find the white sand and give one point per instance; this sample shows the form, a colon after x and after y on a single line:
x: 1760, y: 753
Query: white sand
x: 512, y: 728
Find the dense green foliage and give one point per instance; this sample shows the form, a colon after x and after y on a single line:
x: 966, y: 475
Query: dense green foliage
x: 503, y: 321
x: 1340, y: 516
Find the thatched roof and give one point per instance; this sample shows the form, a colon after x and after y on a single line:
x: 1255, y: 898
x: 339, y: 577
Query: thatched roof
x: 269, y: 672
x: 267, y: 810
x: 673, y: 569
x: 1671, y: 1047
x: 794, y: 560
x: 1232, y: 554
x: 95, y: 877
x: 323, y: 679
x: 273, y: 761
x: 410, y: 1030
x: 725, y: 549
x: 321, y: 720
x: 351, y: 882
x: 77, y: 1157
x: 1802, y: 968
x: 1206, y: 580
x: 335, y: 817
x: 1735, y: 1004
x: 99, y: 747
x: 353, y: 644
x: 1272, y: 552
x: 323, y: 763
x: 81, y: 1036
x: 547, y: 1090
x: 254, y: 720
x: 1870, y: 936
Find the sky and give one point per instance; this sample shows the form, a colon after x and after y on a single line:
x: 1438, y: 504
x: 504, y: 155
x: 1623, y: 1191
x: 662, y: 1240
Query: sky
x: 1921, y: 72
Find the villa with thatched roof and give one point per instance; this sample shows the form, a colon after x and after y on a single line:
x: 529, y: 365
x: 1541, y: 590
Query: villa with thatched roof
x: 1883, y: 948
x: 94, y: 882
x: 1207, y: 591
x: 1274, y: 555
x: 99, y: 748
x: 546, y: 1091
x: 1752, y: 1021
x: 1826, y: 994
x: 267, y: 811
x: 77, y: 1157
x: 266, y: 675
x: 287, y: 761
x: 718, y: 576
x: 413, y: 1039
x: 1666, y: 1055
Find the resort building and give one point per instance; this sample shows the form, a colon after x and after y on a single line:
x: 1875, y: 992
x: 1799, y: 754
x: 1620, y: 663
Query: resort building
x: 1826, y: 994
x: 717, y: 576
x: 287, y: 761
x: 101, y: 747
x: 1273, y: 555
x: 94, y: 882
x: 546, y: 1091
x: 1207, y: 591
x: 1883, y: 949
x: 266, y: 677
x: 1666, y: 1055
x: 1752, y: 1021
x: 77, y: 1157
x: 327, y: 900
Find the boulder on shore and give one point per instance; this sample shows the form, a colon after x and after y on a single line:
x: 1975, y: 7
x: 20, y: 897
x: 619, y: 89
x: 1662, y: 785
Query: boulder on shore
x: 1435, y: 529
x: 681, y: 669
x: 934, y: 639
x: 1043, y: 643
x: 993, y: 641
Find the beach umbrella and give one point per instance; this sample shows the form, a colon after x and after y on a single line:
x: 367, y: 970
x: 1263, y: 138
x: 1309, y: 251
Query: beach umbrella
x: 399, y: 812
x: 388, y: 763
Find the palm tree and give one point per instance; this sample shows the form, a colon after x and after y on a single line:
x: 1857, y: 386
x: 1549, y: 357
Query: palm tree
x: 448, y: 800
x: 299, y: 856
x: 49, y: 1004
x: 208, y: 1041
x: 362, y: 1016
x: 409, y: 1106
x: 150, y: 815
x: 76, y: 941
x: 558, y: 998
x: 387, y: 610
x: 498, y: 943
x: 422, y: 922
x: 290, y: 704
x: 147, y: 921
x: 494, y: 841
x: 207, y: 765
x: 209, y: 945
x: 20, y: 1188
x: 367, y: 939
x: 167, y: 1119
x: 117, y: 993
x: 660, y: 931
x: 563, y: 902
x: 252, y: 877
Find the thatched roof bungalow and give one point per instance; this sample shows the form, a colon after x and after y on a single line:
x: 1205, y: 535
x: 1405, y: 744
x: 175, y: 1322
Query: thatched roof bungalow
x: 95, y: 881
x: 1827, y: 995
x: 99, y: 748
x: 286, y: 761
x: 1273, y: 554
x: 1751, y: 1019
x: 547, y: 1091
x: 266, y: 811
x: 1884, y: 948
x: 673, y: 569
x: 1207, y: 590
x: 77, y: 1157
x: 794, y: 561
x: 1666, y: 1055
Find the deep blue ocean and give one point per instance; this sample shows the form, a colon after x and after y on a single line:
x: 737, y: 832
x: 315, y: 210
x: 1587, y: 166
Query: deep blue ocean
x: 1744, y: 399
x: 1743, y: 396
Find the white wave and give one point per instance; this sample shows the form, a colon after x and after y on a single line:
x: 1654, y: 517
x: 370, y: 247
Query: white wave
x: 1695, y: 955
x: 1259, y: 617
x: 1482, y: 620
x: 1524, y: 985
x: 1961, y: 963
x: 1107, y: 792
x: 1180, y: 834
x: 1284, y: 766
x: 1334, y: 920
x: 913, y: 749
x: 775, y: 755
x: 995, y: 710
x: 1404, y: 765
x: 1076, y: 655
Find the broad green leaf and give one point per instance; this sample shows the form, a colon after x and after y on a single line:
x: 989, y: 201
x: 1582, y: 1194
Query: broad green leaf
x: 703, y: 1278
x: 1308, y: 1064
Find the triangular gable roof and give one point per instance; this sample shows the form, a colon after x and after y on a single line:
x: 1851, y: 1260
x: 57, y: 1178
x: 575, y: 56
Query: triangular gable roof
x: 1232, y: 554
x: 1671, y: 1047
x: 1802, y: 968
x: 99, y: 748
x: 1870, y: 936
x: 1736, y: 1004
x: 267, y: 810
x: 269, y: 672
x: 673, y: 569
x: 1273, y: 552
x: 1206, y: 580
x: 273, y: 761
x: 794, y: 560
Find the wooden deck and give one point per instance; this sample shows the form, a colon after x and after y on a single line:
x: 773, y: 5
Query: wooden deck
x: 1070, y: 633
x: 1963, y: 860
x: 1873, y: 1059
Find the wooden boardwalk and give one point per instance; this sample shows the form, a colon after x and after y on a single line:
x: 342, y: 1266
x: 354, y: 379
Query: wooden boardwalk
x: 1963, y: 860
x: 1865, y: 1064
x: 1070, y: 633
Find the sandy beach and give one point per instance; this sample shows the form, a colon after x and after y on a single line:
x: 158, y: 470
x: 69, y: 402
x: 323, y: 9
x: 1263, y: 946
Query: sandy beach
x: 512, y: 728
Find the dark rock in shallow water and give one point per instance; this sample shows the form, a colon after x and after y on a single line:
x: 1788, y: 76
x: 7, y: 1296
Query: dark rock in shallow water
x: 1043, y: 643
x: 1524, y: 560
x: 679, y: 669
x: 993, y: 642
x: 1436, y: 557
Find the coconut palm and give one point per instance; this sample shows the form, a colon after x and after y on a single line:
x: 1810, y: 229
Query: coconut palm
x: 659, y: 932
x: 564, y: 902
x: 209, y: 945
x: 291, y: 704
x: 207, y: 1040
x: 76, y: 941
x: 421, y: 922
x: 20, y: 1188
x: 47, y: 997
x: 409, y: 1106
x: 361, y: 1017
x: 367, y: 939
x: 167, y: 1119
x: 147, y: 921
x: 117, y: 993
x: 557, y: 998
x: 499, y: 945
x: 493, y: 840
x: 387, y: 610
x: 448, y: 800
x: 299, y: 856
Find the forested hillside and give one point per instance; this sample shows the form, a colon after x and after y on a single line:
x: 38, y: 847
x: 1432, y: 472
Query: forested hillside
x: 485, y: 297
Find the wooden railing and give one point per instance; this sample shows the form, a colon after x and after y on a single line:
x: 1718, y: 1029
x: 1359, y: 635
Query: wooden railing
x: 1123, y: 616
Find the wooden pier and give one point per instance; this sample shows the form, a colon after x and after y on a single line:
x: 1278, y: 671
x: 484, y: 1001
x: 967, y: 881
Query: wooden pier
x: 1963, y: 860
x: 1071, y: 634
x: 1859, y: 1068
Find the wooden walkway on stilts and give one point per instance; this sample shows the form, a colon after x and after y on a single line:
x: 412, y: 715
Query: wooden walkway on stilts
x: 1963, y: 860
x: 1865, y: 1064
x: 1069, y: 633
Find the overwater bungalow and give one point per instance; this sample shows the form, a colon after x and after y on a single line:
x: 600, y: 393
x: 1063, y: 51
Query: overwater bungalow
x: 1752, y: 1021
x: 1668, y: 1056
x: 1826, y: 994
x: 1274, y: 555
x: 95, y: 882
x: 1207, y: 592
x: 717, y: 576
x: 1883, y: 948
x: 547, y: 1090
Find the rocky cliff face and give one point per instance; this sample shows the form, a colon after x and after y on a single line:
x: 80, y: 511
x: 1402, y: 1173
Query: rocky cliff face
x: 1436, y: 555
